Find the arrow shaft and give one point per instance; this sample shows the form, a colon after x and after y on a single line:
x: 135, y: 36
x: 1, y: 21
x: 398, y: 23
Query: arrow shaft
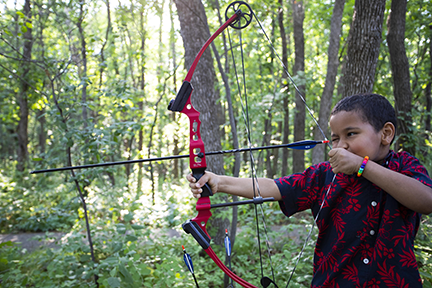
x: 307, y: 144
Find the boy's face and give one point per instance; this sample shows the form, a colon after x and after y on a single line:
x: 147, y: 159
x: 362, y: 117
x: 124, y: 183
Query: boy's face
x: 349, y: 131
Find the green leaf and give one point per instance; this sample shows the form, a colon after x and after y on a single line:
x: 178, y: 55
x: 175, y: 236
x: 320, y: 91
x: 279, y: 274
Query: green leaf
x: 7, y: 243
x: 117, y: 247
x: 85, y: 258
x: 121, y: 228
x: 131, y: 238
x: 23, y: 29
x: 126, y: 274
x: 137, y: 227
x: 114, y: 282
x: 128, y: 217
x: 20, y: 14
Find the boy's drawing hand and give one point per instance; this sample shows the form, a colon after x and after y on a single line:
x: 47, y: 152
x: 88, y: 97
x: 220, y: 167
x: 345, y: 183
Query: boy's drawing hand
x: 210, y: 178
x: 343, y: 161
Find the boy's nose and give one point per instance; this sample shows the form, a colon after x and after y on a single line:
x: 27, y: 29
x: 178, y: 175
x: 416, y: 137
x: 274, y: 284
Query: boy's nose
x: 343, y: 144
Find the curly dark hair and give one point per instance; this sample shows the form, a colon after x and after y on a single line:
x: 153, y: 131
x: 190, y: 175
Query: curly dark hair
x: 373, y: 108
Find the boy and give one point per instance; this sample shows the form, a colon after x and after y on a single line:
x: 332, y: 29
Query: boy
x: 373, y: 207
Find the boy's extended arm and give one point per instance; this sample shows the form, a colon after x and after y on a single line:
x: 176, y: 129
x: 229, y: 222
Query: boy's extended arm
x: 235, y: 186
x: 406, y: 190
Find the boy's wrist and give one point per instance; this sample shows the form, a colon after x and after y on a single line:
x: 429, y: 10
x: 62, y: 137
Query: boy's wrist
x: 362, y: 166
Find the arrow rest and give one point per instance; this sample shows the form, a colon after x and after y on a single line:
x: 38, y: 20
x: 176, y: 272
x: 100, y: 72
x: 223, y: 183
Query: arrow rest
x: 236, y: 8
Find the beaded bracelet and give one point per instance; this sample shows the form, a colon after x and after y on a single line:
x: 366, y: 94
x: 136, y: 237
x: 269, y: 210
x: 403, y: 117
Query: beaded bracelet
x: 365, y: 160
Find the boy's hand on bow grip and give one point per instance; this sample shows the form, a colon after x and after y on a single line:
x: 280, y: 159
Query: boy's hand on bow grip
x: 343, y: 161
x: 208, y: 178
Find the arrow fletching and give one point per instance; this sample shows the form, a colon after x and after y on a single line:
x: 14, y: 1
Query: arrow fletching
x: 188, y: 260
x: 305, y: 145
x: 227, y: 243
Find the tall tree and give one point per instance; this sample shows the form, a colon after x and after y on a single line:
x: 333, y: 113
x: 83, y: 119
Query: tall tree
x: 428, y: 94
x: 400, y: 73
x: 22, y: 134
x: 299, y: 67
x: 330, y: 80
x: 83, y: 74
x: 174, y: 79
x: 286, y: 130
x: 142, y: 67
x: 364, y: 41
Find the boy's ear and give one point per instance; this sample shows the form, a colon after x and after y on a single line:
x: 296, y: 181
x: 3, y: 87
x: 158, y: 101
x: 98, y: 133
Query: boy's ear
x: 388, y: 133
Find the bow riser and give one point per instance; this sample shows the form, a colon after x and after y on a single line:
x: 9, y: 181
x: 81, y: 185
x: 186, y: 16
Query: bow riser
x: 196, y: 148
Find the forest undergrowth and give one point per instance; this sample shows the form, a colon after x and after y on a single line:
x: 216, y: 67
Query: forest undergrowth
x: 132, y: 243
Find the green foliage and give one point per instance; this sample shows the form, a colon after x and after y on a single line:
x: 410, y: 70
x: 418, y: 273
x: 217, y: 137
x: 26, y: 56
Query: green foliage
x: 423, y: 251
x: 133, y: 255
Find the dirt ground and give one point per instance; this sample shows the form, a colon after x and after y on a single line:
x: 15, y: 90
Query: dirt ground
x: 32, y: 241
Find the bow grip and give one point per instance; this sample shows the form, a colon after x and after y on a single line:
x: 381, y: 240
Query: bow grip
x: 197, y: 174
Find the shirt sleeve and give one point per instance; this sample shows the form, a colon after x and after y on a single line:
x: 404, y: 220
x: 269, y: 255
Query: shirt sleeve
x: 410, y: 166
x: 301, y: 191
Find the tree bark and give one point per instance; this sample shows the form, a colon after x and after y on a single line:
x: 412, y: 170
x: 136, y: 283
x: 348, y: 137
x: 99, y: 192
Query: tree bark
x: 175, y: 169
x: 300, y: 114
x: 400, y: 74
x: 84, y: 64
x: 428, y: 95
x: 318, y: 154
x: 285, y: 100
x: 142, y: 65
x: 22, y: 152
x: 102, y: 51
x: 364, y: 41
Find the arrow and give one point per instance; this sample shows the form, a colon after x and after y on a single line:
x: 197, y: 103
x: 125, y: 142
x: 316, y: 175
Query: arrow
x: 188, y: 261
x: 300, y: 145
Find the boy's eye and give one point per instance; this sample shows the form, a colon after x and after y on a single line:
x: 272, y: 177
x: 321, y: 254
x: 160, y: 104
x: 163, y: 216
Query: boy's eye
x: 351, y: 134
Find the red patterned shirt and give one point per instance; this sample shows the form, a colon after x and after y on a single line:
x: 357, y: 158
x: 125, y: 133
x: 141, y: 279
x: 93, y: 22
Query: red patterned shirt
x: 366, y: 237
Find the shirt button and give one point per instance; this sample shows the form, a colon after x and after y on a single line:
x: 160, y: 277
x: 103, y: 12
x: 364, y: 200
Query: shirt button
x: 374, y: 203
x: 366, y: 261
x: 372, y: 232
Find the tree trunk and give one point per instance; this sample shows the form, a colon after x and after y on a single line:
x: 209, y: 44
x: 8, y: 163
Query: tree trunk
x: 400, y: 74
x: 41, y: 133
x: 428, y: 95
x: 364, y: 41
x: 102, y: 55
x: 194, y: 31
x: 84, y: 64
x: 285, y: 99
x: 175, y: 169
x: 141, y: 101
x: 300, y: 114
x: 22, y: 152
x: 318, y: 154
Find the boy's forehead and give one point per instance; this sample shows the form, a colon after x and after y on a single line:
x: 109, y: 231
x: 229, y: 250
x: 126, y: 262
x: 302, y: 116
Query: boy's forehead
x: 345, y: 117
